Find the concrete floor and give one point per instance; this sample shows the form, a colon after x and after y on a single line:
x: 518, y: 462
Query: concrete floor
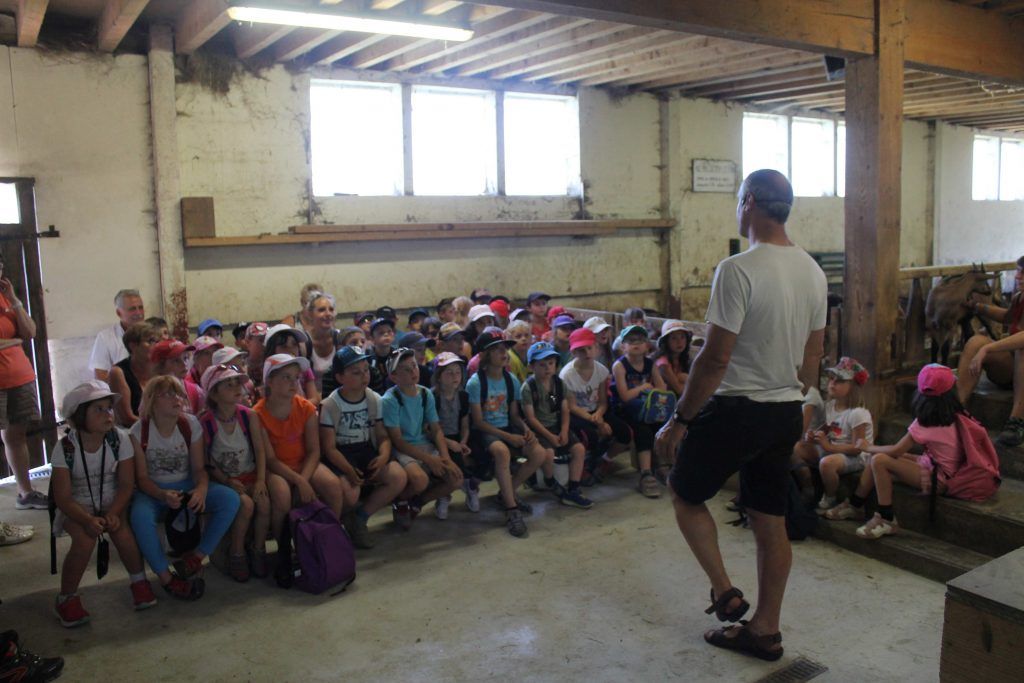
x: 609, y: 594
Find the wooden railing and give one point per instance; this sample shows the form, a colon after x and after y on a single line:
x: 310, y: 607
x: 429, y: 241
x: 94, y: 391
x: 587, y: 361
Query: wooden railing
x: 699, y: 330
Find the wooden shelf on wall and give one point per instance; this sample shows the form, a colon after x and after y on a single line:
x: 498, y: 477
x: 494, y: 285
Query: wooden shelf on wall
x: 376, y: 232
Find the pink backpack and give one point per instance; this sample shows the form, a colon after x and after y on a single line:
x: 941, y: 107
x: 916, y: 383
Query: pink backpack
x: 978, y: 477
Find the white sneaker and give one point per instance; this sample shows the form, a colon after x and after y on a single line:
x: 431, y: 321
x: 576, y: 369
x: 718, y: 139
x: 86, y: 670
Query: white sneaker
x: 827, y: 503
x: 878, y: 527
x: 441, y: 507
x: 11, y: 534
x: 843, y: 511
x: 472, y: 497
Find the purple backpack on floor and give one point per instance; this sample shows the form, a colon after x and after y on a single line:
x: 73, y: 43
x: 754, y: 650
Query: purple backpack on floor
x: 325, y: 555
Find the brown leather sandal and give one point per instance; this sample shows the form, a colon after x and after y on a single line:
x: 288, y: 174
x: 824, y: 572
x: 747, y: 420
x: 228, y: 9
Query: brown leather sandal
x: 721, y: 606
x: 745, y: 642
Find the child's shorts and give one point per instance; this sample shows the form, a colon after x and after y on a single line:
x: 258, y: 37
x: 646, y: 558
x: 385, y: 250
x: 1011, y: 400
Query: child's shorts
x: 407, y: 461
x: 246, y: 479
x: 851, y: 463
x: 359, y: 455
x: 559, y: 450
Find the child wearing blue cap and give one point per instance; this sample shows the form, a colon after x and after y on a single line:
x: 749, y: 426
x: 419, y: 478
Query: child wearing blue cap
x: 547, y: 413
x: 355, y: 445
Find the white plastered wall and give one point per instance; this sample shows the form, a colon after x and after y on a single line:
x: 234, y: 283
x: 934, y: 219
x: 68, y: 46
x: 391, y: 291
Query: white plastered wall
x: 969, y: 231
x: 79, y: 124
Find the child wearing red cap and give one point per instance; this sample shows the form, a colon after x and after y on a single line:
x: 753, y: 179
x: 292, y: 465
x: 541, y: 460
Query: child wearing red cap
x: 833, y: 449
x: 937, y: 409
x: 171, y: 357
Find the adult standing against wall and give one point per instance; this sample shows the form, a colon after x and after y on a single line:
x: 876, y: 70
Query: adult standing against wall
x: 1002, y: 359
x: 108, y: 348
x: 741, y: 408
x: 19, y: 404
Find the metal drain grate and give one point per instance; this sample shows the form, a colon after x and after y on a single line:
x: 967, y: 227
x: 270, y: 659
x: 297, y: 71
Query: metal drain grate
x: 799, y: 671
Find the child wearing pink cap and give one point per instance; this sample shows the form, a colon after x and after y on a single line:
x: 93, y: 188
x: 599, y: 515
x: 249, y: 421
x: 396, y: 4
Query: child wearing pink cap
x: 936, y: 408
x: 233, y: 441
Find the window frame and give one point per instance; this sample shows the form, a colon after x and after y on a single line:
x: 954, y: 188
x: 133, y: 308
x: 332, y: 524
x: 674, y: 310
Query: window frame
x: 407, y: 81
x: 1001, y: 139
x: 837, y: 122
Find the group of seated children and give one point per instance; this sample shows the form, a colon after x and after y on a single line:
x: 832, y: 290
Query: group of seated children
x: 839, y: 440
x: 244, y: 434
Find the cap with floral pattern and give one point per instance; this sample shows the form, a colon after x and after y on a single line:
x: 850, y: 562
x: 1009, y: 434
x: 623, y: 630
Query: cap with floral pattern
x: 849, y: 369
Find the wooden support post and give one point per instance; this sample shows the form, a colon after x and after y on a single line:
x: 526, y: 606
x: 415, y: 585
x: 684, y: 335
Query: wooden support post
x: 166, y: 183
x: 667, y: 303
x: 874, y: 105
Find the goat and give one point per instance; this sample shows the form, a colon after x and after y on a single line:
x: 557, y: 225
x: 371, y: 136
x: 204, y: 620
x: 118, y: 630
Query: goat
x: 944, y: 310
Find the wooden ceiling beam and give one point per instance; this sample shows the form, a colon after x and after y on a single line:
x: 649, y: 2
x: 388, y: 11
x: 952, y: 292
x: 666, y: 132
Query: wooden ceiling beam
x: 662, y: 47
x: 726, y: 87
x: 715, y: 57
x: 301, y: 41
x: 198, y: 22
x: 629, y: 42
x: 343, y: 46
x: 740, y: 67
x: 578, y: 38
x: 117, y: 18
x: 940, y: 36
x: 549, y: 27
x: 486, y: 31
x: 432, y: 8
x: 750, y: 89
x: 252, y: 39
x: 29, y: 20
x: 389, y: 48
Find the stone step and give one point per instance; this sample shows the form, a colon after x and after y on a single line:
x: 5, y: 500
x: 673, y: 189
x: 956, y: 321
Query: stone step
x: 1011, y: 459
x: 923, y: 555
x: 990, y: 404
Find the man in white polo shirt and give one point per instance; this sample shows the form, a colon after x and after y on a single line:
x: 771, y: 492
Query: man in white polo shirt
x: 741, y: 409
x: 108, y: 347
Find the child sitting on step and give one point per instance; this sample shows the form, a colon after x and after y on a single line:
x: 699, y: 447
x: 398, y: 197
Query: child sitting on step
x: 936, y: 409
x: 93, y: 480
x: 833, y: 449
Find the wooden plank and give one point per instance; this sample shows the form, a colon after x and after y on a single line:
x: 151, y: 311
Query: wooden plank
x: 696, y: 63
x: 964, y: 41
x: 874, y: 98
x: 253, y: 39
x: 842, y: 27
x: 979, y: 646
x: 197, y: 217
x: 198, y: 22
x: 301, y: 41
x: 392, y: 235
x: 343, y: 46
x: 626, y: 224
x: 117, y: 18
x: 673, y: 45
x: 388, y: 48
x: 942, y: 271
x: 30, y: 20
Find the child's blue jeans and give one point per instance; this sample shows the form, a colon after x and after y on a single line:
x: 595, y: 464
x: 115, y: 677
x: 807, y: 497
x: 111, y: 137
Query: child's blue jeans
x: 221, y: 505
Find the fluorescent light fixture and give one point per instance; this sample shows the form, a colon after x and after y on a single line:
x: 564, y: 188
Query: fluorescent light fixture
x: 343, y: 22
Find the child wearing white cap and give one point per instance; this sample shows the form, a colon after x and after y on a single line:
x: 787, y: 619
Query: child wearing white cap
x: 92, y: 481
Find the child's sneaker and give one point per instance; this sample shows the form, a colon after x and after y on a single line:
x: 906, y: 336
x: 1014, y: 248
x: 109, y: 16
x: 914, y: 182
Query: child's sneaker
x: 189, y: 565
x: 357, y: 530
x: 877, y: 527
x: 12, y: 534
x: 575, y: 498
x: 238, y: 568
x: 185, y: 589
x: 472, y: 491
x: 402, y: 514
x: 516, y: 524
x: 1012, y: 434
x: 826, y: 503
x: 843, y: 511
x: 523, y: 506
x: 33, y: 500
x: 259, y: 565
x: 441, y: 507
x: 142, y: 594
x: 70, y: 612
x: 648, y: 486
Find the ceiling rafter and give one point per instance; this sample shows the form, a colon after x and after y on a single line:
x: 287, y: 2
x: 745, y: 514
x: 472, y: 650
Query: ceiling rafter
x: 116, y: 20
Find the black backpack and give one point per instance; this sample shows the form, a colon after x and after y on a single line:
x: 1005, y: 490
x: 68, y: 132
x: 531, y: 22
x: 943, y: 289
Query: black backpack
x: 801, y: 519
x: 510, y: 394
x: 557, y: 397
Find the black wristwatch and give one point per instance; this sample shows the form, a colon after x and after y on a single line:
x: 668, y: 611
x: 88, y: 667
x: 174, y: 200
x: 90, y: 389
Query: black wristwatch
x: 678, y: 419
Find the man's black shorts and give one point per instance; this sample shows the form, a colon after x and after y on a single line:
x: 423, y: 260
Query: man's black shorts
x: 733, y: 433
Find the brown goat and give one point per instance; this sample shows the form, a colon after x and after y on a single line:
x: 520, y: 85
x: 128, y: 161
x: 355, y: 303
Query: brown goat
x: 943, y: 310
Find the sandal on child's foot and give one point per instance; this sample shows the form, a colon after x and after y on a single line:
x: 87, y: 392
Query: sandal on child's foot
x: 721, y: 606
x: 741, y: 639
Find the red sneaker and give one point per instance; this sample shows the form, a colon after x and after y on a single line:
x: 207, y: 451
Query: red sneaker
x: 185, y: 589
x: 189, y: 565
x: 142, y: 594
x: 71, y: 612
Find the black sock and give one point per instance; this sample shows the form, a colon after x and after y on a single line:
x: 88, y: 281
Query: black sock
x: 856, y: 501
x: 550, y: 482
x: 886, y: 512
x: 644, y: 473
x: 574, y: 484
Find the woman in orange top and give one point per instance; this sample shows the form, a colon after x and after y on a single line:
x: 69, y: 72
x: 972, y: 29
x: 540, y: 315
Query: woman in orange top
x: 18, y: 402
x: 290, y: 422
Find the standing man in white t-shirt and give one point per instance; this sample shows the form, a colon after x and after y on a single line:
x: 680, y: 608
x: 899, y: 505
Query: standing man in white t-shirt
x: 108, y: 348
x: 741, y: 410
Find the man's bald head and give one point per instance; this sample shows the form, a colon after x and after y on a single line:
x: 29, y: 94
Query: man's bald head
x: 771, y: 191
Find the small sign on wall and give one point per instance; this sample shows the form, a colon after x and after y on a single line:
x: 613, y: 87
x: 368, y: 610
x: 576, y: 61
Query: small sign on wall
x: 714, y: 175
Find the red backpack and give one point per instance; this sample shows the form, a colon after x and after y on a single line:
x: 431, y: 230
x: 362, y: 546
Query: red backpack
x: 978, y: 477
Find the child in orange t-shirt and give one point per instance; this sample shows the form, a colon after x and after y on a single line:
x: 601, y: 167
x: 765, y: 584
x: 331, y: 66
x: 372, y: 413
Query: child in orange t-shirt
x: 290, y: 422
